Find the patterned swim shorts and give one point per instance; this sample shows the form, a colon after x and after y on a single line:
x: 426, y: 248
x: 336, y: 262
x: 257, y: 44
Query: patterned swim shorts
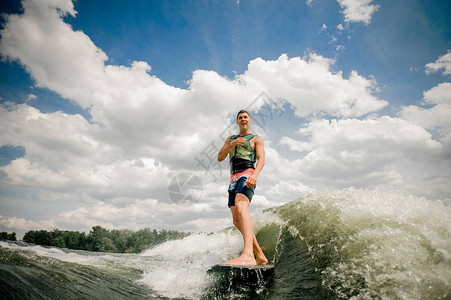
x: 238, y: 185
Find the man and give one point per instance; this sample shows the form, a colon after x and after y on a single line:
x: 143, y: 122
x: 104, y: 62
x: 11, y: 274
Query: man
x: 244, y: 149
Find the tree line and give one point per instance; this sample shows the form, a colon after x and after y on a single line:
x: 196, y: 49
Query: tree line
x: 4, y: 236
x: 103, y: 240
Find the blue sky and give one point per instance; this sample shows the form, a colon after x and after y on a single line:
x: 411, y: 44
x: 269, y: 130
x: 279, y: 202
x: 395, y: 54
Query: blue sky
x: 176, y: 38
x: 90, y: 90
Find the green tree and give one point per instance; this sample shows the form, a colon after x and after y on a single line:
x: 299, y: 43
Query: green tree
x: 71, y: 239
x: 42, y: 237
x: 3, y: 236
x: 58, y: 241
x: 95, y: 238
x: 12, y: 237
x: 120, y: 239
x: 107, y: 245
x: 100, y: 239
x: 29, y: 237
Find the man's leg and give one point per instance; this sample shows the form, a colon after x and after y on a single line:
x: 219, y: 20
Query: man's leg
x: 247, y: 257
x: 259, y: 255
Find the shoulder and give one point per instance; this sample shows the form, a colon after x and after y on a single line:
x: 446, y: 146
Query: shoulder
x: 257, y: 140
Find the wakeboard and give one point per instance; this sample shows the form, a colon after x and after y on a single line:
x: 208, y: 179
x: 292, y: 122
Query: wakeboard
x: 247, y: 273
x: 227, y: 267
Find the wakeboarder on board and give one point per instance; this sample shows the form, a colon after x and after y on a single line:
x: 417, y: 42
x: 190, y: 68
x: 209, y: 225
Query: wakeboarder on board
x: 247, y: 158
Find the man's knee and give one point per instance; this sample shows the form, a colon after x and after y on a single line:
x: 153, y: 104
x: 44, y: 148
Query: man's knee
x: 237, y: 223
x: 241, y: 203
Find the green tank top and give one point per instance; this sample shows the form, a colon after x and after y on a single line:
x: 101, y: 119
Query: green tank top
x: 242, y: 157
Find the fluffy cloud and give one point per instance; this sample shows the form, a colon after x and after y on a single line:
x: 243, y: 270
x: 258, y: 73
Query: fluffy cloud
x: 354, y: 152
x: 380, y: 151
x: 143, y: 131
x: 65, y: 151
x: 312, y: 88
x: 31, y: 97
x: 288, y: 190
x: 443, y: 62
x: 135, y: 116
x: 43, y: 43
x: 358, y: 10
x: 434, y: 112
x: 136, y: 214
x: 22, y: 224
x: 436, y: 115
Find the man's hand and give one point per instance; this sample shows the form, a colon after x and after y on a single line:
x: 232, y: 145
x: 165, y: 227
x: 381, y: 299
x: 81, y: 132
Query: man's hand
x: 251, y: 181
x: 238, y: 142
x: 229, y: 145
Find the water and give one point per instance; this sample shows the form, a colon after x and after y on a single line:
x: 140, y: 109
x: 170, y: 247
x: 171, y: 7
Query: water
x: 347, y: 244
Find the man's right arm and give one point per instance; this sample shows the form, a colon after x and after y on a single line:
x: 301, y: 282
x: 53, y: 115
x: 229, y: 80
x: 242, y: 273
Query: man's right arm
x: 224, y: 150
x: 229, y: 145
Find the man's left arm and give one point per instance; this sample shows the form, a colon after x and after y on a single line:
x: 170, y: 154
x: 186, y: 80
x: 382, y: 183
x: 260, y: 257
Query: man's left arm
x: 260, y: 152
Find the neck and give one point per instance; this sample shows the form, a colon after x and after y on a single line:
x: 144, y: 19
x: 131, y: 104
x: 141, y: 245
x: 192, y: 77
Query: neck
x: 245, y: 132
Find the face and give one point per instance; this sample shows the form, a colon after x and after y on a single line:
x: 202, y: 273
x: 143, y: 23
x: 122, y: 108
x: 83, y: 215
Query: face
x: 243, y: 121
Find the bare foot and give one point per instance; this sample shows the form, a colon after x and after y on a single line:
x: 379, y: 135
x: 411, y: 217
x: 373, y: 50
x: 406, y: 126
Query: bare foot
x: 262, y: 261
x: 243, y: 260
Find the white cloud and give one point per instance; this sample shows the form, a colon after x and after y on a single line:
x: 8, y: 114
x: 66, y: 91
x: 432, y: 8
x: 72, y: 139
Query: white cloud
x: 340, y: 48
x: 355, y: 152
x: 22, y: 224
x: 260, y: 202
x: 296, y: 145
x: 312, y: 87
x: 31, y: 97
x: 435, y: 112
x: 43, y: 44
x: 136, y: 116
x: 133, y: 108
x: 358, y: 10
x: 288, y: 190
x: 136, y: 214
x: 143, y: 131
x: 443, y: 62
x: 333, y: 39
x: 113, y: 93
x: 437, y: 116
x: 65, y: 153
x: 132, y: 216
x: 440, y: 94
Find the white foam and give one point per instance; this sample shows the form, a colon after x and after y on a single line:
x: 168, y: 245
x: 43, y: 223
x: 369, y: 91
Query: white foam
x: 180, y: 266
x: 406, y: 241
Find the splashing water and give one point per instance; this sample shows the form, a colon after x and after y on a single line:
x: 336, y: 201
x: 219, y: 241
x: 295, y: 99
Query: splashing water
x: 344, y: 244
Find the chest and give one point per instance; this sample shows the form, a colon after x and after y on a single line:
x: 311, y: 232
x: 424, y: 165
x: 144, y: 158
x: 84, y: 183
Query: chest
x: 249, y: 145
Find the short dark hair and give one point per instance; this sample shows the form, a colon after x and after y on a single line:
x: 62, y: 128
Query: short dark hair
x: 242, y: 112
